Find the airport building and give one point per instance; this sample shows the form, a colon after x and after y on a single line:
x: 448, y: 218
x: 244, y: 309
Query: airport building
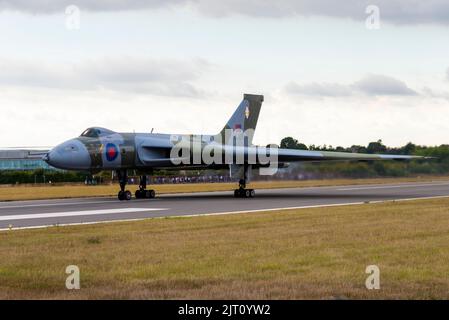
x: 20, y: 160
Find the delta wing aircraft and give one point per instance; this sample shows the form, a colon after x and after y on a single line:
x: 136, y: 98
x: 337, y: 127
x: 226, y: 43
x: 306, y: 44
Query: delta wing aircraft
x: 102, y: 149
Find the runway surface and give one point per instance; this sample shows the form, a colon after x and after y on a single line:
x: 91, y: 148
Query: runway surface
x: 20, y: 214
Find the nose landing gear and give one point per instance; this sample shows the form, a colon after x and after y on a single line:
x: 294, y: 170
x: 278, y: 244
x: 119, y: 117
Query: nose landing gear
x: 142, y: 193
x: 123, y: 179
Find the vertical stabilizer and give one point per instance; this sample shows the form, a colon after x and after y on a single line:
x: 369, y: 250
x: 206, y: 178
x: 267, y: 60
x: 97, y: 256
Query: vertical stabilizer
x: 245, y: 117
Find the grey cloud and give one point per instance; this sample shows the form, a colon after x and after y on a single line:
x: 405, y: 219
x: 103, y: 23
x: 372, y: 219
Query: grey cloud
x: 58, y: 6
x: 141, y: 75
x: 428, y: 92
x: 447, y: 74
x: 394, y: 11
x: 382, y: 85
x: 372, y: 85
x: 318, y: 89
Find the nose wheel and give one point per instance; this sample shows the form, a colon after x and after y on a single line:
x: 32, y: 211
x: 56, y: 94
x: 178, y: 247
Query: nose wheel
x: 124, y: 195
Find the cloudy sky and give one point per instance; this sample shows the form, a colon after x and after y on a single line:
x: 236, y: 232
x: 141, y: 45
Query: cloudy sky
x: 183, y: 65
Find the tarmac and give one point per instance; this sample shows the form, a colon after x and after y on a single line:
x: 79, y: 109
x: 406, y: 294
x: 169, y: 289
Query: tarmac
x: 43, y: 213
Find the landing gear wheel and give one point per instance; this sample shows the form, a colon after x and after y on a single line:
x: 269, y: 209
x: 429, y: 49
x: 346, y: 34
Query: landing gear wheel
x: 145, y: 194
x: 150, y: 194
x: 244, y: 193
x: 124, y: 195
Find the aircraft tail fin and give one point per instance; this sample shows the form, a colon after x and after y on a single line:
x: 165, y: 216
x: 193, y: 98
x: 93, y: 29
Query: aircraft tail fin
x: 245, y: 117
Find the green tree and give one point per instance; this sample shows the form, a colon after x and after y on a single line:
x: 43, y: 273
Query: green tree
x: 409, y: 148
x: 290, y: 143
x: 376, y: 147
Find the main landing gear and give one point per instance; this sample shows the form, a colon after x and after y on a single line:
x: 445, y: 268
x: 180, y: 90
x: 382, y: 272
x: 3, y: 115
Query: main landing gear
x: 242, y: 192
x: 142, y: 193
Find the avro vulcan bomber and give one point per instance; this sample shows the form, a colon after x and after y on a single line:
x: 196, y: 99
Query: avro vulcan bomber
x: 232, y: 148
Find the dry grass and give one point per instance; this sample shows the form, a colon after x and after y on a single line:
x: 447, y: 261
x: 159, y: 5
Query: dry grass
x: 309, y: 253
x: 77, y: 191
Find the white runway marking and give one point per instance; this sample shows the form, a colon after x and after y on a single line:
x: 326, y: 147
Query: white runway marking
x: 65, y: 204
x: 395, y: 186
x: 77, y: 213
x: 53, y: 204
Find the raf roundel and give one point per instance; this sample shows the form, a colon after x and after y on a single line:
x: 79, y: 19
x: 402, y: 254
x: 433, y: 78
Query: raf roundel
x: 111, y: 152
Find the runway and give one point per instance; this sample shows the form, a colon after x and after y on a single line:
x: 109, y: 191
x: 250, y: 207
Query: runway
x: 23, y: 214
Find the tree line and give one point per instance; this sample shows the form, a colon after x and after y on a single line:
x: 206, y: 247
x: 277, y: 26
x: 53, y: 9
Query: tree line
x: 437, y: 166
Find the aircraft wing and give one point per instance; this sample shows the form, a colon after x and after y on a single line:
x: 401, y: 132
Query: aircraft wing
x: 156, y: 152
x: 290, y: 155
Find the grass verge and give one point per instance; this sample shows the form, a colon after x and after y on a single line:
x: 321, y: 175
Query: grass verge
x: 309, y: 253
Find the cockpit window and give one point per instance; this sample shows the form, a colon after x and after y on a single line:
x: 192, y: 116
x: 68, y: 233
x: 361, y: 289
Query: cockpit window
x: 91, y: 133
x: 96, y: 132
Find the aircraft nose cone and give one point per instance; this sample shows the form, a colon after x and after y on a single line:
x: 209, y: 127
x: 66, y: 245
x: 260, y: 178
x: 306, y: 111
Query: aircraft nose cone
x: 54, y: 158
x: 71, y: 155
